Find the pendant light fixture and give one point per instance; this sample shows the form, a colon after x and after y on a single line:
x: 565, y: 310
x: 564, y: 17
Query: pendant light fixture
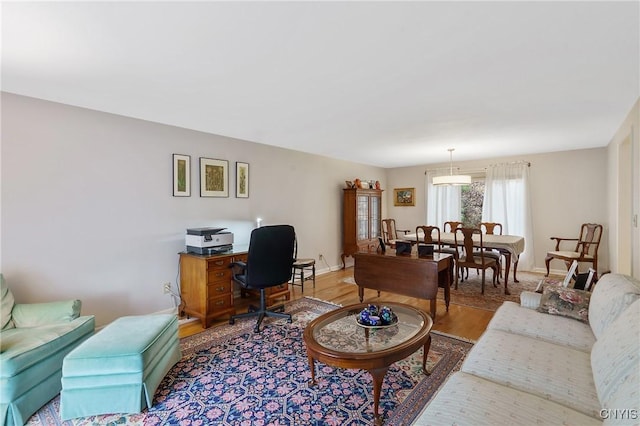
x: 452, y: 179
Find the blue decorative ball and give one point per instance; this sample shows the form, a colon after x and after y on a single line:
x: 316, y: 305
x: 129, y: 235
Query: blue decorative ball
x: 364, y: 316
x: 374, y: 320
x: 373, y: 310
x: 386, y: 315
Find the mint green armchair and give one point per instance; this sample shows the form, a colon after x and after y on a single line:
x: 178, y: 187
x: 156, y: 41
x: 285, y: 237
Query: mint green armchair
x: 34, y: 339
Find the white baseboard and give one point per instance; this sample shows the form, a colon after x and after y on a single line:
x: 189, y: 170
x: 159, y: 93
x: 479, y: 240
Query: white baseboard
x: 166, y: 311
x: 551, y: 271
x: 162, y: 312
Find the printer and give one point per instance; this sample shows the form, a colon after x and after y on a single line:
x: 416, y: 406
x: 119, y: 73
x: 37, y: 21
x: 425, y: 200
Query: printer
x: 208, y: 240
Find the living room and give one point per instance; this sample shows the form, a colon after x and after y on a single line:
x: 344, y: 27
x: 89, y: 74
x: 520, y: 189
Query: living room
x: 87, y: 208
x: 96, y: 200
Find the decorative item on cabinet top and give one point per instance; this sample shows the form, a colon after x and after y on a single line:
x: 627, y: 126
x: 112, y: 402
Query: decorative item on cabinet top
x: 362, y: 184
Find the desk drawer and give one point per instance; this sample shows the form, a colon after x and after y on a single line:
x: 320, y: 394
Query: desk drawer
x: 219, y: 288
x: 219, y: 263
x: 240, y: 258
x: 277, y: 289
x: 218, y: 275
x: 220, y: 303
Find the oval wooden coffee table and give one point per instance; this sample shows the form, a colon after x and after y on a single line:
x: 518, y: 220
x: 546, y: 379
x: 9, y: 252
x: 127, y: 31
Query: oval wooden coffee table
x: 336, y: 339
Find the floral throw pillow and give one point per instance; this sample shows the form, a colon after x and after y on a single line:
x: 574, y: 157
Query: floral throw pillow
x: 565, y: 302
x: 546, y: 281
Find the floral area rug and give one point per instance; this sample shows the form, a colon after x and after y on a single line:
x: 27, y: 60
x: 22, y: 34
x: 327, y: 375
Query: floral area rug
x: 229, y: 375
x: 469, y: 290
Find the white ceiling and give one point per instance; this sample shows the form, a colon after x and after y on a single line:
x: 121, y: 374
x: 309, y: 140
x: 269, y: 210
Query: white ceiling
x: 383, y: 83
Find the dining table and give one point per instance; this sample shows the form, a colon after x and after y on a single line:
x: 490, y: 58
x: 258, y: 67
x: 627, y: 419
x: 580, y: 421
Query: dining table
x: 511, y: 246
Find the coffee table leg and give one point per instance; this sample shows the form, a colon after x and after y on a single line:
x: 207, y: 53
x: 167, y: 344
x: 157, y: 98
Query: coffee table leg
x: 312, y: 367
x: 378, y: 377
x: 425, y: 354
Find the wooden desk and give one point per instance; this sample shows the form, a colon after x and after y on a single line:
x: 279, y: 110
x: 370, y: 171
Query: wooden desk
x: 207, y: 287
x: 407, y: 275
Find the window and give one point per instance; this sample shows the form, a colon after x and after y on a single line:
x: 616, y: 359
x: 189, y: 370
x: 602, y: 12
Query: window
x: 499, y: 194
x: 471, y: 203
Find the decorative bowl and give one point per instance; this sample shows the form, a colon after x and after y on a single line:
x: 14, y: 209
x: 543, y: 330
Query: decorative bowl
x: 376, y: 317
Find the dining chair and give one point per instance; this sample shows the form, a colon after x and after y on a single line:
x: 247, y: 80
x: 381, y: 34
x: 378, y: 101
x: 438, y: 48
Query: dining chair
x: 494, y: 228
x: 490, y: 228
x: 472, y: 258
x: 585, y: 250
x: 451, y: 226
x: 390, y: 232
x: 428, y: 238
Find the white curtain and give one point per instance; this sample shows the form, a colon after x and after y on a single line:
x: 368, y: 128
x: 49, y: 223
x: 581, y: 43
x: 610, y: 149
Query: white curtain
x: 443, y: 202
x: 507, y: 201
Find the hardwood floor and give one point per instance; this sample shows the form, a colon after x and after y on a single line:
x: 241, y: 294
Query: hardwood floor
x: 461, y: 321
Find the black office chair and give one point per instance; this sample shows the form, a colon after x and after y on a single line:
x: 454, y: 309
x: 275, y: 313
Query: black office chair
x: 269, y: 264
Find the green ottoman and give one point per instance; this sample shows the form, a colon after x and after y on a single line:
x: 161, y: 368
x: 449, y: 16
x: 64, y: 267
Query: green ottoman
x: 119, y: 368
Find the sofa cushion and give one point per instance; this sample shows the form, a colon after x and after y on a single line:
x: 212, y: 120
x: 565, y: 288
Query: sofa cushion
x: 615, y: 360
x: 528, y: 322
x: 612, y: 295
x: 24, y: 347
x: 555, y: 372
x: 6, y: 305
x: 470, y: 400
x: 565, y: 302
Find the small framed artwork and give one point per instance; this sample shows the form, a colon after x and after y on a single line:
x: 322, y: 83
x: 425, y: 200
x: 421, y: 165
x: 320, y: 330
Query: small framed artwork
x: 242, y: 180
x: 181, y: 175
x: 404, y: 196
x: 214, y: 177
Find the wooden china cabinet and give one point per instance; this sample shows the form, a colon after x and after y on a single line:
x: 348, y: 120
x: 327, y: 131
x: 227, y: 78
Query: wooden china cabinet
x: 361, y: 217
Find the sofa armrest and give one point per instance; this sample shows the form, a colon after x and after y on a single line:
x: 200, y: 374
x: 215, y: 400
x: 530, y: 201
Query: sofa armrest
x: 37, y: 314
x: 529, y: 299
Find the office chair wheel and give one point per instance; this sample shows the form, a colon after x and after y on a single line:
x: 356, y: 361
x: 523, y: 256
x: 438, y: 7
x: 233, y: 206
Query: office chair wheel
x: 256, y: 329
x: 232, y: 321
x: 290, y: 320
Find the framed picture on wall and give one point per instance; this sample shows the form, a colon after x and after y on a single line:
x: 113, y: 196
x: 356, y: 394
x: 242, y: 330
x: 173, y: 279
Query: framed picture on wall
x: 404, y: 196
x: 181, y: 175
x: 242, y: 180
x: 214, y: 177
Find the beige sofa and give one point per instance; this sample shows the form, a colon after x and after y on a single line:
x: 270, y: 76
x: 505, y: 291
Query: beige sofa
x: 531, y: 367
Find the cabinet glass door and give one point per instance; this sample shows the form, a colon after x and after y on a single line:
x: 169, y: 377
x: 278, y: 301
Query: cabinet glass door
x: 362, y: 218
x: 375, y: 217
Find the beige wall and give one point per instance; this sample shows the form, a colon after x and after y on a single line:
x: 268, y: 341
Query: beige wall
x: 88, y: 212
x: 567, y: 189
